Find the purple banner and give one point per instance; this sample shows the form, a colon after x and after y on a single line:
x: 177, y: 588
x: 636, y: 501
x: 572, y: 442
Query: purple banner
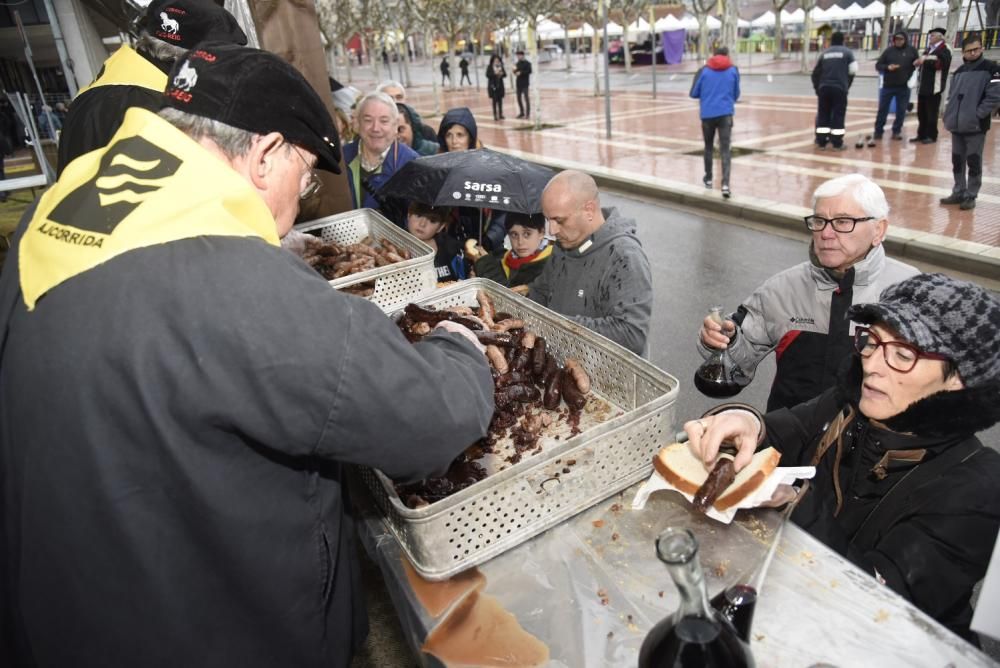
x: 673, y: 46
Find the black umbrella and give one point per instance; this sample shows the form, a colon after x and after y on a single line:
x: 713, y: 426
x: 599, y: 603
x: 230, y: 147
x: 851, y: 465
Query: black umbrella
x: 481, y: 178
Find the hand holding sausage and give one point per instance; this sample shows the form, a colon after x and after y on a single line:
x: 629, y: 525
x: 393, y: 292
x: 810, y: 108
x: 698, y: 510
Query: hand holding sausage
x: 707, y: 434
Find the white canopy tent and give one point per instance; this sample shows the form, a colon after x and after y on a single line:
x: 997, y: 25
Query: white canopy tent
x: 791, y: 18
x: 765, y: 20
x: 642, y: 25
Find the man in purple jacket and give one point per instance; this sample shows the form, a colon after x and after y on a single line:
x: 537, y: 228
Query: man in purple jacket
x: 717, y: 86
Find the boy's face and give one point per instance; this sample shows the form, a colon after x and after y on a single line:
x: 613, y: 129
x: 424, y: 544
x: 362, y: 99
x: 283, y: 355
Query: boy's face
x: 524, y: 240
x: 422, y: 228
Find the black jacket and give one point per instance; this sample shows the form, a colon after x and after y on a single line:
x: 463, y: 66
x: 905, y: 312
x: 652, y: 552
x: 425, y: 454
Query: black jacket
x: 934, y: 71
x: 974, y: 96
x: 96, y: 114
x: 173, y: 479
x: 495, y: 86
x: 926, y: 528
x: 833, y: 69
x: 904, y: 58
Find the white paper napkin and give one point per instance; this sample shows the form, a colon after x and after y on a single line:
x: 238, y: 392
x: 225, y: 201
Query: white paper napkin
x: 780, y: 476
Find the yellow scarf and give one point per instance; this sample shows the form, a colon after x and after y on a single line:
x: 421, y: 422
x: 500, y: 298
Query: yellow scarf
x: 126, y: 67
x: 150, y: 185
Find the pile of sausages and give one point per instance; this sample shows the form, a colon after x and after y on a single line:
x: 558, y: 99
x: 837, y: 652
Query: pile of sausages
x: 333, y: 260
x: 526, y: 376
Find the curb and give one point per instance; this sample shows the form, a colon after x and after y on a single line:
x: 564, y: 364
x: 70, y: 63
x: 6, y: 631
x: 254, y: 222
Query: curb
x: 966, y: 256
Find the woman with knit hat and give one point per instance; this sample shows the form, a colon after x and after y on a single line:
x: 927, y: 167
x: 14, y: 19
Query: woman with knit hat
x: 903, y: 487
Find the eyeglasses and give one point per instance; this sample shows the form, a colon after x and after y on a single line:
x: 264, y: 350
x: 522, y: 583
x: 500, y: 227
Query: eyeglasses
x: 842, y: 224
x: 899, y: 355
x: 314, y: 184
x: 975, y: 49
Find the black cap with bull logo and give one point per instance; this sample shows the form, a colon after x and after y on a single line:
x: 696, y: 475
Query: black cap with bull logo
x: 185, y: 23
x: 256, y: 91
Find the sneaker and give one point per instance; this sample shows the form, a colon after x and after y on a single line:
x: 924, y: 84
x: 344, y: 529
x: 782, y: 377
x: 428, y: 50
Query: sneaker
x: 821, y: 147
x: 928, y: 140
x: 860, y: 143
x: 967, y: 203
x: 897, y: 137
x: 708, y: 182
x: 726, y: 194
x: 872, y: 140
x: 914, y: 140
x: 522, y: 116
x: 842, y: 147
x: 954, y: 198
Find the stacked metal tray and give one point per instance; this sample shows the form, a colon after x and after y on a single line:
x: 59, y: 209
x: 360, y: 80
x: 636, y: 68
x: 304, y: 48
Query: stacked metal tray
x: 395, y: 284
x: 510, y: 506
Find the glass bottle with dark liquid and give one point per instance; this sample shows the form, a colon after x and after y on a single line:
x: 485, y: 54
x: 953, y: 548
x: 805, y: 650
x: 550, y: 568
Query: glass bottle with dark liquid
x: 719, y: 376
x: 737, y: 603
x: 696, y: 634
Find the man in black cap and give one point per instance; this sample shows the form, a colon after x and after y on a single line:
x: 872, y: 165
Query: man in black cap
x: 934, y: 66
x: 974, y: 96
x: 896, y: 65
x: 179, y: 397
x: 136, y: 77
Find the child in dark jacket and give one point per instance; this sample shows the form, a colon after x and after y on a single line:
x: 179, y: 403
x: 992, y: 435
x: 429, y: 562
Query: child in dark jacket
x: 524, y: 261
x: 428, y: 224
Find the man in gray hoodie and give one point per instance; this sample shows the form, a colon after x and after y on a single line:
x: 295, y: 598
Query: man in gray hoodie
x: 598, y: 275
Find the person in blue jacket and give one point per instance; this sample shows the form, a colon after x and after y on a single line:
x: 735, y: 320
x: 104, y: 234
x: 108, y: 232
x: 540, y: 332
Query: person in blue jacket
x: 717, y: 87
x: 376, y: 155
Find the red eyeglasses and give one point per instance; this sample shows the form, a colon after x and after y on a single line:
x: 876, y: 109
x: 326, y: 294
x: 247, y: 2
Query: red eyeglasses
x: 899, y: 355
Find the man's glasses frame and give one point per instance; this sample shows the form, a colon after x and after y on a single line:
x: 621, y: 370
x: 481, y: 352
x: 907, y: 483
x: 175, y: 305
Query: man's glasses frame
x: 843, y: 224
x: 866, y: 342
x: 314, y: 184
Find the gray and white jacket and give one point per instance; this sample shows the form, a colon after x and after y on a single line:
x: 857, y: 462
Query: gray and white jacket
x: 800, y: 314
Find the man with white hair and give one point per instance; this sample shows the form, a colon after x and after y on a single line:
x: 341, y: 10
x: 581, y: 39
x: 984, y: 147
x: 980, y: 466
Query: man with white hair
x: 136, y: 77
x: 800, y: 313
x: 376, y: 155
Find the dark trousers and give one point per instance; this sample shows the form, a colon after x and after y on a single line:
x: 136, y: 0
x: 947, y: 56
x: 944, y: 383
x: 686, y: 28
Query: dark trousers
x: 497, y: 108
x: 465, y: 77
x: 523, y: 108
x: 445, y: 75
x: 885, y: 97
x: 831, y: 109
x: 724, y: 125
x: 927, y: 114
x: 967, y: 150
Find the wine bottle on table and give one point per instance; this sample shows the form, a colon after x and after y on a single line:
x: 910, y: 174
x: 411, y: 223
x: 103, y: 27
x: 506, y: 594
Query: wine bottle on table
x: 696, y: 635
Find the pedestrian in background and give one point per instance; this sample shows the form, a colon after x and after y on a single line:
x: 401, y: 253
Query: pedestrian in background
x: 832, y: 78
x: 896, y: 65
x: 495, y: 75
x: 974, y: 96
x: 445, y: 70
x: 463, y: 65
x: 934, y: 66
x: 522, y: 70
x: 717, y: 87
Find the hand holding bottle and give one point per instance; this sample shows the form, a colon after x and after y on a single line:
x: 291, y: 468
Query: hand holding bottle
x: 716, y: 332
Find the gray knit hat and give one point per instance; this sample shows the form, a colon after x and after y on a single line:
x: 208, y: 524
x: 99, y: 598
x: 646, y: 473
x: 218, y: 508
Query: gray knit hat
x: 939, y: 314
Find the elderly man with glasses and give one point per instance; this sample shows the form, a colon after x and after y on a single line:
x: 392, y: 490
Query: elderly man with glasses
x: 974, y: 96
x: 903, y: 488
x: 800, y: 313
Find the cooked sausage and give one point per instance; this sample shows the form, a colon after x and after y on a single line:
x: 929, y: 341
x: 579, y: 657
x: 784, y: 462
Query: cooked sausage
x: 502, y: 339
x: 496, y: 359
x: 580, y: 376
x: 538, y: 358
x: 721, y: 477
x: 571, y: 394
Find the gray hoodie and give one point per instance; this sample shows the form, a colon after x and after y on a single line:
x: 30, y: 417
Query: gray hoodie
x: 607, y: 287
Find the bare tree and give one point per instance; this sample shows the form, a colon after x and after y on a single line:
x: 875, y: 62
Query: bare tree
x: 421, y: 12
x: 807, y: 26
x: 887, y: 25
x: 482, y: 15
x: 701, y: 10
x: 630, y: 11
x: 730, y: 24
x: 336, y: 23
x: 778, y: 6
x: 589, y: 12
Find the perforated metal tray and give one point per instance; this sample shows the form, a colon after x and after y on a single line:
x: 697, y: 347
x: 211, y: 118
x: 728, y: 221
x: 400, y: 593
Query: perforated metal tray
x: 396, y: 284
x: 509, y: 507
